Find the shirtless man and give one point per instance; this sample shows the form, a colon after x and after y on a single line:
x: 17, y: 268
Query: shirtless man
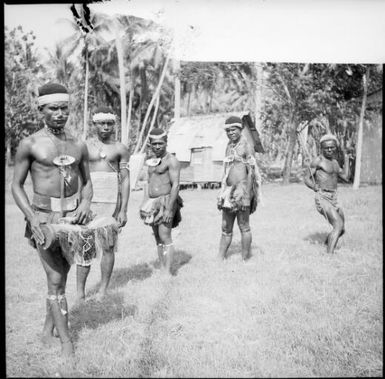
x: 110, y: 178
x: 55, y: 160
x: 322, y: 179
x: 240, y: 190
x: 162, y: 203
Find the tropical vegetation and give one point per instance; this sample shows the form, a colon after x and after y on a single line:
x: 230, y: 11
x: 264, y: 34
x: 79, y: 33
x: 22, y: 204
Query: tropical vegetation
x: 125, y: 62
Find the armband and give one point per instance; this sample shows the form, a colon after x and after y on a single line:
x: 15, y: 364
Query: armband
x: 251, y: 161
x: 124, y: 165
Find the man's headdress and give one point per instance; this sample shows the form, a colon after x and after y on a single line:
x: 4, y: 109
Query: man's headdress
x: 52, y: 93
x: 103, y: 114
x: 157, y: 133
x: 233, y: 121
x: 329, y: 137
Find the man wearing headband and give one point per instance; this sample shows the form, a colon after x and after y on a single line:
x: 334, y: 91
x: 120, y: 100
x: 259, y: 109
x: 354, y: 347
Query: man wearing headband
x: 240, y: 190
x: 322, y: 178
x: 56, y: 161
x: 110, y: 178
x: 161, y: 205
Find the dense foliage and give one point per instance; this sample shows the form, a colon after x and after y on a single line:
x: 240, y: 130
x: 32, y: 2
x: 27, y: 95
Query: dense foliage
x: 120, y: 62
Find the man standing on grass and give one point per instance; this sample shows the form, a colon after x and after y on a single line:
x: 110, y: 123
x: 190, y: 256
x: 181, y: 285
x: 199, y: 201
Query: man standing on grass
x: 56, y: 161
x: 110, y: 178
x: 161, y: 205
x: 240, y: 191
x: 322, y: 178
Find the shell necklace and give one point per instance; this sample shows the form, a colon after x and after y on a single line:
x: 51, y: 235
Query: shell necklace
x: 102, y: 154
x: 63, y: 161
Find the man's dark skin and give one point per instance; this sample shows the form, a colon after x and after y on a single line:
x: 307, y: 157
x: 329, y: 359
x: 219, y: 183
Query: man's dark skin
x: 35, y: 155
x: 163, y: 180
x: 238, y: 172
x: 115, y: 153
x: 323, y: 175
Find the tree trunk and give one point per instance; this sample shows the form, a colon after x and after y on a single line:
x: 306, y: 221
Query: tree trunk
x: 130, y: 100
x: 258, y: 96
x: 177, y: 89
x: 123, y: 101
x: 188, y: 103
x: 152, y: 124
x: 85, y: 115
x: 357, y: 171
x: 290, y: 152
x: 155, y: 95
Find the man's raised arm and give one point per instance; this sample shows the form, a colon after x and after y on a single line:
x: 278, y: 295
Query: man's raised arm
x: 344, y: 173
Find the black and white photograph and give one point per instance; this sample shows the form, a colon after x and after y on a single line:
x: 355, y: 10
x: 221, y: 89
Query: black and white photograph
x: 193, y: 189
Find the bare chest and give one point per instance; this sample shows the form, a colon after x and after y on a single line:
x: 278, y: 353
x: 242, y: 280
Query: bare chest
x: 100, y: 152
x: 162, y: 169
x: 329, y: 167
x: 46, y: 154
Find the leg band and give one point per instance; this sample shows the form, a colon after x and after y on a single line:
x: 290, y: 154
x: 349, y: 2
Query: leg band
x: 165, y: 246
x: 246, y: 230
x: 225, y: 234
x: 59, y: 299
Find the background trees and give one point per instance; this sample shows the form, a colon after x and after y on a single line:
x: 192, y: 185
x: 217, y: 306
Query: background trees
x: 122, y: 62
x: 22, y: 69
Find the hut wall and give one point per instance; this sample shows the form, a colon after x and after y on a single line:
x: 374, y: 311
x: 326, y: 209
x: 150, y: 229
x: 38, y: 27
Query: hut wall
x: 186, y: 173
x: 202, y: 164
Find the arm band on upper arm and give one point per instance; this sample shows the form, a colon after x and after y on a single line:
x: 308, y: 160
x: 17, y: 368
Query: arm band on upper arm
x: 124, y: 165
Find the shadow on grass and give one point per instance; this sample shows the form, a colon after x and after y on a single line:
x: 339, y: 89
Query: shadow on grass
x: 180, y: 259
x: 236, y: 249
x: 318, y: 238
x: 93, y: 313
x: 121, y: 276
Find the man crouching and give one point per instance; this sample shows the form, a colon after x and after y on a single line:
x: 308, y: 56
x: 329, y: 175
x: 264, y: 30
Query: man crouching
x: 161, y: 205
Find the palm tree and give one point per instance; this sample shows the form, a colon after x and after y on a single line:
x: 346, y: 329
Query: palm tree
x: 87, y: 30
x: 59, y: 65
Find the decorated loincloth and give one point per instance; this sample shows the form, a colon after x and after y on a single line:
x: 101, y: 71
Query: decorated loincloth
x: 235, y: 198
x: 152, y: 211
x: 79, y: 244
x: 324, y: 199
x: 105, y: 186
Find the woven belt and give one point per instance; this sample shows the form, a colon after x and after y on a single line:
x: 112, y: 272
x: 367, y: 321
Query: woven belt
x: 54, y: 203
x: 327, y: 190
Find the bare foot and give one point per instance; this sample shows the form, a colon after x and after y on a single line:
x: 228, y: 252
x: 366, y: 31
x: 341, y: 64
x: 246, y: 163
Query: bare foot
x: 100, y: 295
x: 67, y: 366
x: 80, y: 299
x: 67, y: 350
x: 48, y: 339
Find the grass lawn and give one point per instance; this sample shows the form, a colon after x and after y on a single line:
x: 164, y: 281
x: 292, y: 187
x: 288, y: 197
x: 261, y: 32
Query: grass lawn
x: 290, y: 311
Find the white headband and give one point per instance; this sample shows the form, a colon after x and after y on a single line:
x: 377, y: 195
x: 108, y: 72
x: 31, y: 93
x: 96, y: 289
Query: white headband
x: 237, y: 124
x: 103, y: 117
x: 329, y: 137
x: 157, y: 136
x: 53, y: 98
